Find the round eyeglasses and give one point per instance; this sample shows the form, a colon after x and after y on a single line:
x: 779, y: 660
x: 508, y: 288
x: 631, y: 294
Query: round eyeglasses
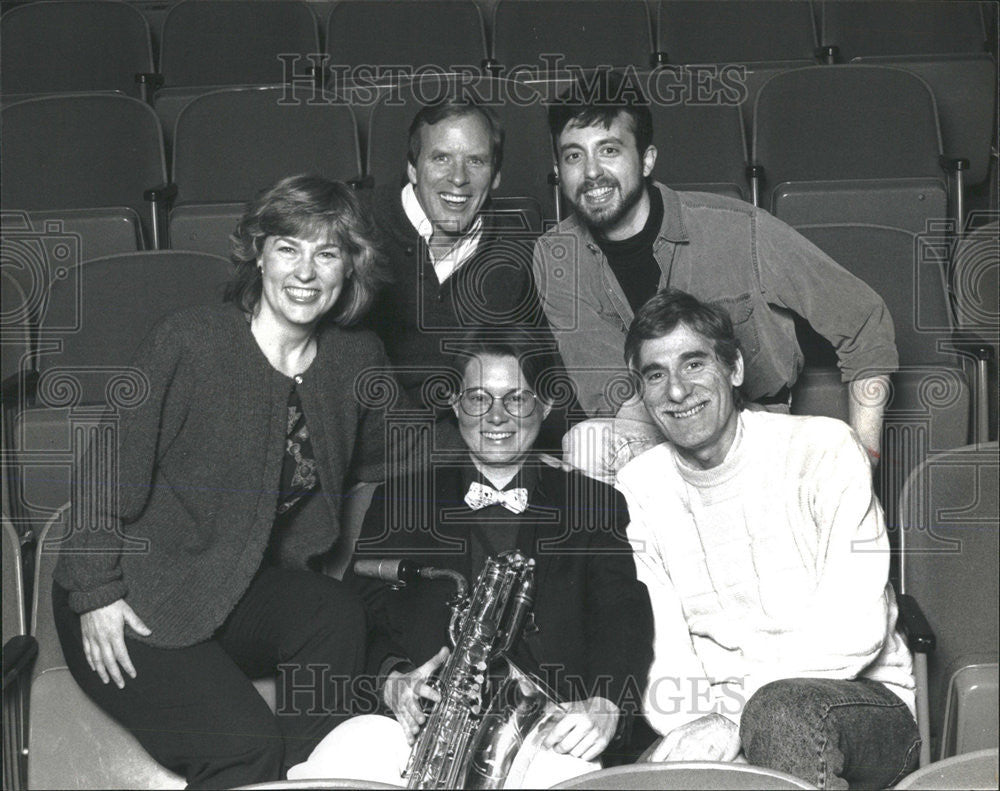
x: 476, y: 402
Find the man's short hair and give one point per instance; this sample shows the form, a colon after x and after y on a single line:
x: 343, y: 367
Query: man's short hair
x: 456, y: 108
x: 599, y: 100
x: 668, y: 308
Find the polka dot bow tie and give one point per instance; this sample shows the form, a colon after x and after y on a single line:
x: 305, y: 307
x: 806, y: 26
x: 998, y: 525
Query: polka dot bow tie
x: 480, y: 495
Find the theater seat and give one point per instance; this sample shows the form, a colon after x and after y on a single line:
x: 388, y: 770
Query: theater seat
x: 901, y: 27
x: 843, y: 123
x: 75, y: 45
x: 581, y: 33
x: 404, y: 34
x: 700, y: 148
x: 204, y: 227
x: 964, y: 87
x: 929, y: 406
x: 231, y: 143
x: 970, y: 772
x: 721, y: 31
x: 19, y: 650
x: 234, y: 42
x: 94, y: 319
x: 100, y: 152
x: 293, y: 785
x: 945, y: 43
x: 950, y: 521
x: 74, y: 744
x: 685, y: 775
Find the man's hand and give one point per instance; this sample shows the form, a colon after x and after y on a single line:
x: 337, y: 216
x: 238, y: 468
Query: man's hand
x: 586, y: 728
x: 403, y: 691
x: 865, y: 408
x: 708, y: 738
x: 103, y: 632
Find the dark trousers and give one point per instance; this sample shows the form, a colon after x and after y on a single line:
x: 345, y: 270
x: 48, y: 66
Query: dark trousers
x: 833, y: 734
x: 195, y: 709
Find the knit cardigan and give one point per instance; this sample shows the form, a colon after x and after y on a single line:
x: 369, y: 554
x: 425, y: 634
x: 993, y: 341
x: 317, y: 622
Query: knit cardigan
x: 199, y: 462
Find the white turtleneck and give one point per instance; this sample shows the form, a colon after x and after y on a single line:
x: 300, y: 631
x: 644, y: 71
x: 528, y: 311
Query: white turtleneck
x: 772, y: 565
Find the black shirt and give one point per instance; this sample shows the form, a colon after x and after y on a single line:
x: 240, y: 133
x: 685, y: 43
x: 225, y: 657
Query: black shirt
x: 632, y: 259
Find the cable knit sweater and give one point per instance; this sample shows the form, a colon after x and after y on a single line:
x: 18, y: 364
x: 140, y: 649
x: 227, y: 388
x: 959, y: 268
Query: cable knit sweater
x: 199, y: 464
x: 772, y: 565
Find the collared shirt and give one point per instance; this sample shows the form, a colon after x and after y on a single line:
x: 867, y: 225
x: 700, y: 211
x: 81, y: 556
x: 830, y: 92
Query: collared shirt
x: 721, y: 250
x: 460, y: 252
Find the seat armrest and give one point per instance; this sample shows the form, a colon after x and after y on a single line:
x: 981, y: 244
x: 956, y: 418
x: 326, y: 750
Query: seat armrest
x: 361, y: 182
x: 972, y: 344
x: 24, y: 382
x: 148, y: 82
x: 161, y: 193
x: 159, y: 197
x: 913, y: 624
x: 18, y: 656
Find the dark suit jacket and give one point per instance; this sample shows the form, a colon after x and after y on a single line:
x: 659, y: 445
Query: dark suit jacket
x: 593, y: 616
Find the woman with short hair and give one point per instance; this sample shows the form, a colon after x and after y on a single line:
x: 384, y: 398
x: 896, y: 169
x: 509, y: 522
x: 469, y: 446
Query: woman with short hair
x: 230, y: 478
x: 592, y: 644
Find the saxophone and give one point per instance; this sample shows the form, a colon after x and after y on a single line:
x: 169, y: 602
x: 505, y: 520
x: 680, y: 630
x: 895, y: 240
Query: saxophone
x: 473, y: 735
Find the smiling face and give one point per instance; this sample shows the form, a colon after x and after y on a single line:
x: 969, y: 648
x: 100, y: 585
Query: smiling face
x: 689, y: 393
x: 453, y: 174
x: 497, y: 440
x: 301, y: 280
x: 602, y: 174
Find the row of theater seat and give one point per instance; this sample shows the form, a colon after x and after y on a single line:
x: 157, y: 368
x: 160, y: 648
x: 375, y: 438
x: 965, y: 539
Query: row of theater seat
x: 832, y: 123
x: 64, y: 46
x: 84, y: 45
x: 848, y: 154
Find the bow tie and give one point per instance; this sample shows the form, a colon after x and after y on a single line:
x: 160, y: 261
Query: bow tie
x: 480, y: 495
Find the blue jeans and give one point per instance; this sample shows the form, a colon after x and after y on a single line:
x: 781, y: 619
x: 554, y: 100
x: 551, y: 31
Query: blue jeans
x: 834, y: 734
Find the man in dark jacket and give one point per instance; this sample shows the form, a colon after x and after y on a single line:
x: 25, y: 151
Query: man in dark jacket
x: 453, y: 267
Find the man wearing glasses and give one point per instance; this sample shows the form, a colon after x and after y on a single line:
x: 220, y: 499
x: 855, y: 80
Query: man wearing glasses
x: 592, y: 637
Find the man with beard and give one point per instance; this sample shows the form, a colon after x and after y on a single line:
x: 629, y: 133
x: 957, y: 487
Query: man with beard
x: 631, y: 236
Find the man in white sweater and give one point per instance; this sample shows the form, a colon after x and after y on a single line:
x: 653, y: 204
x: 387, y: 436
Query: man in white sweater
x: 766, y: 558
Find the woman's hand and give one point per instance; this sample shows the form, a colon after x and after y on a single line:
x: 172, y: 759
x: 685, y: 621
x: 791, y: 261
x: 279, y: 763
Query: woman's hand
x: 587, y: 728
x: 402, y: 693
x: 103, y: 633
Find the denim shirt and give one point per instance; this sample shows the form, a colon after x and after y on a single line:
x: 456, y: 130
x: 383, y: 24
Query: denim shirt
x: 720, y: 250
